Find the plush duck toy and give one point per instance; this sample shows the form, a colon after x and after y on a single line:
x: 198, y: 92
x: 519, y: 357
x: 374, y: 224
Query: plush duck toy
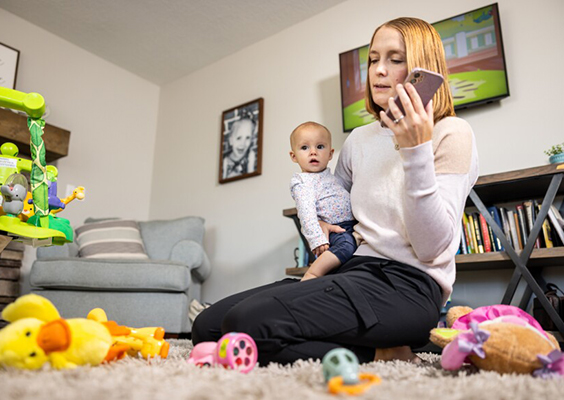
x: 38, y: 335
x: 498, y: 338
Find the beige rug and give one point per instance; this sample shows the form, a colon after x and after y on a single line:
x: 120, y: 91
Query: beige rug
x: 174, y: 378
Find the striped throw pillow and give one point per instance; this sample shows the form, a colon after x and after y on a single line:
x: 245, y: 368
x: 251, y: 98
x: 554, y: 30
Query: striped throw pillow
x: 110, y: 239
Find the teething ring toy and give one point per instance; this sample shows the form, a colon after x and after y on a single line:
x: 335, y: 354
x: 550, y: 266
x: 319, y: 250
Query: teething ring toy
x: 366, y: 380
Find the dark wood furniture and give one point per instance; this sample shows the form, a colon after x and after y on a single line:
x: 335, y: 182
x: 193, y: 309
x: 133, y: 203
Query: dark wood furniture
x: 13, y: 128
x: 532, y: 183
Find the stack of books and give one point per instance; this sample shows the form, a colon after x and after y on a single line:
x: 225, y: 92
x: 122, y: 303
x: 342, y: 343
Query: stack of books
x: 478, y: 237
x: 10, y: 263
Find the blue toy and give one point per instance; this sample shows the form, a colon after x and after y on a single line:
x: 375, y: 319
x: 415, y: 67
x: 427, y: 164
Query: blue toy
x: 340, y: 370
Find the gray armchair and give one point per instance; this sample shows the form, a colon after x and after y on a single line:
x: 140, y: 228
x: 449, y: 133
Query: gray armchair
x: 135, y: 293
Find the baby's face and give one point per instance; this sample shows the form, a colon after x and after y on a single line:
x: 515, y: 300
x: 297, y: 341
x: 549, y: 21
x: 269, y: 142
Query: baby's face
x: 311, y: 149
x: 241, y: 138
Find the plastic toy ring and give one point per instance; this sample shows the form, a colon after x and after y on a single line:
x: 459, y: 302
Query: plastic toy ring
x: 366, y: 380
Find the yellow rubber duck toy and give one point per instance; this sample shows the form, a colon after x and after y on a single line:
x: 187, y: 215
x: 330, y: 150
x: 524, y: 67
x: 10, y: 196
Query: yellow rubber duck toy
x: 38, y: 335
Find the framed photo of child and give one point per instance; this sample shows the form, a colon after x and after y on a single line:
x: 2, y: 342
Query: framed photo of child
x: 241, y: 142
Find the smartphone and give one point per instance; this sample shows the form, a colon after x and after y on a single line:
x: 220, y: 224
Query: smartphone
x: 425, y: 82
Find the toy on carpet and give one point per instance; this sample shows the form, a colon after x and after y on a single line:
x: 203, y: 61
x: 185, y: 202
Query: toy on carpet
x: 498, y: 338
x: 145, y: 342
x: 340, y: 370
x: 234, y: 350
x: 37, y: 335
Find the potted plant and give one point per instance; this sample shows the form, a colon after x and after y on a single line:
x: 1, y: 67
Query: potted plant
x: 555, y: 154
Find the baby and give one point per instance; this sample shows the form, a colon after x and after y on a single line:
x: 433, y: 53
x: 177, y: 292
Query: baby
x: 319, y: 196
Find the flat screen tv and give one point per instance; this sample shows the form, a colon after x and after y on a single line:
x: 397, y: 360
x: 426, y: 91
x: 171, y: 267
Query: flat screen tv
x: 475, y: 59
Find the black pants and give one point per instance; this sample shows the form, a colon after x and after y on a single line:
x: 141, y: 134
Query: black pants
x: 365, y: 304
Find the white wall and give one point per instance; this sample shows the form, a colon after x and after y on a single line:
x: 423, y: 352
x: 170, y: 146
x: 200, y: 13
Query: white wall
x: 297, y: 73
x: 111, y: 114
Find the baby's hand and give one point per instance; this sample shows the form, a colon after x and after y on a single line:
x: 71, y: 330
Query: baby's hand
x: 320, y: 250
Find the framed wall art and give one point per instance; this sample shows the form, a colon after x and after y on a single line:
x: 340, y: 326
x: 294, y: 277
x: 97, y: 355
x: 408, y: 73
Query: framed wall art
x: 241, y: 142
x: 9, y: 58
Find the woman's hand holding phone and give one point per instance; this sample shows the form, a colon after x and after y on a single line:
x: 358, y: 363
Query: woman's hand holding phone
x: 410, y: 113
x: 416, y: 127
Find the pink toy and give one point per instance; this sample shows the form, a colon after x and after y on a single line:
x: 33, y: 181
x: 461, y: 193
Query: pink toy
x: 234, y: 350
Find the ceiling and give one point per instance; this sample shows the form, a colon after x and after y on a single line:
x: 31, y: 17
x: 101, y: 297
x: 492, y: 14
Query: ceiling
x: 164, y: 40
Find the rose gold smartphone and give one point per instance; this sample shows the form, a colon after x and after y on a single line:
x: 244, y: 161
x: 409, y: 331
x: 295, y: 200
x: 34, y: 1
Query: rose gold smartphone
x: 425, y: 82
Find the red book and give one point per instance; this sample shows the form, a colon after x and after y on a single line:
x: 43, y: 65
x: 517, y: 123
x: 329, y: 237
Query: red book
x: 485, y: 234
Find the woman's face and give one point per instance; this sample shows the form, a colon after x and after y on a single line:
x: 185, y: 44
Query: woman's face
x: 241, y: 138
x: 387, y: 65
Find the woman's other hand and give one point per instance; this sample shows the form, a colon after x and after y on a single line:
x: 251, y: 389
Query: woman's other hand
x: 328, y: 228
x: 417, y: 126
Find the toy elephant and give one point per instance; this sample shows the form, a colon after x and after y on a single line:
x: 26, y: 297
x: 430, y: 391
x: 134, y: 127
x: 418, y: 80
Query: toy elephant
x: 14, y: 192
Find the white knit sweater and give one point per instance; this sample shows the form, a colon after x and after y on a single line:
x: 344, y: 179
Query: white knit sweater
x: 409, y: 203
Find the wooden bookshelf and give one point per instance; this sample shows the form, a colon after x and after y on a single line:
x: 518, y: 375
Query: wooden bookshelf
x: 13, y: 128
x: 524, y: 184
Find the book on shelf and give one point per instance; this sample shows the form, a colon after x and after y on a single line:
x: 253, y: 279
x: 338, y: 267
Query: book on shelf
x: 494, y: 212
x: 555, y: 227
x: 522, y: 219
x: 518, y: 230
x: 546, y: 232
x: 557, y: 215
x: 505, y: 225
x: 536, y: 209
x: 463, y: 246
x: 492, y: 239
x: 485, y: 234
x: 531, y: 216
x: 466, y: 229
x: 476, y: 225
x: 473, y: 233
x: 513, y: 230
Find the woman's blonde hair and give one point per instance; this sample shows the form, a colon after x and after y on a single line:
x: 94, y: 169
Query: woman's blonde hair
x: 424, y: 49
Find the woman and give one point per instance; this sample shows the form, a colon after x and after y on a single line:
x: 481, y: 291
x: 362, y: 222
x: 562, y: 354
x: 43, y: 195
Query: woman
x: 408, y: 188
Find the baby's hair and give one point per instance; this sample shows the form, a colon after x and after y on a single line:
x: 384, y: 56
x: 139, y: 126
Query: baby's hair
x: 306, y: 125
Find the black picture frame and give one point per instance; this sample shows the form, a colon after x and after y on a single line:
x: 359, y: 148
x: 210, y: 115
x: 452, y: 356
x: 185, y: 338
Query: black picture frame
x: 240, y: 153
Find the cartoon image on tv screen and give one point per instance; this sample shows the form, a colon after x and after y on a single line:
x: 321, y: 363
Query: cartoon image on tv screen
x: 474, y: 54
x: 354, y: 69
